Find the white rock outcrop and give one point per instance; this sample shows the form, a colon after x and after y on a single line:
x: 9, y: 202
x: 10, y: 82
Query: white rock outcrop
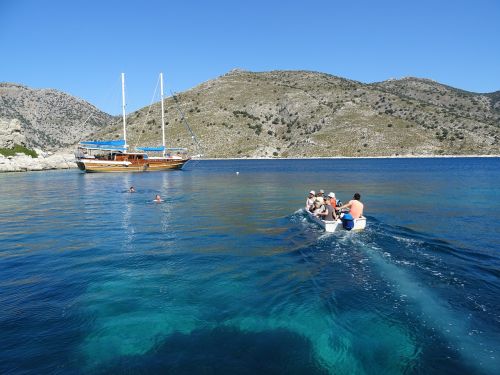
x: 23, y: 163
x: 11, y: 133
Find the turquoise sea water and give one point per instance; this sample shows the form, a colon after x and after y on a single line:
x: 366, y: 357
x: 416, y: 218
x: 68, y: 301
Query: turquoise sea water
x: 228, y: 275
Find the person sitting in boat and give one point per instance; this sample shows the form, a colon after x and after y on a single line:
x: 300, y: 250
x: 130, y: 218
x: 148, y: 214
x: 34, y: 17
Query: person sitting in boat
x: 321, y: 196
x: 318, y: 208
x: 355, y: 206
x: 310, y: 200
x: 313, y: 206
x: 329, y: 213
x: 333, y: 201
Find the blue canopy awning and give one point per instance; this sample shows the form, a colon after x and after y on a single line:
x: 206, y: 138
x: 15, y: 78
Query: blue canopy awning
x: 117, y: 145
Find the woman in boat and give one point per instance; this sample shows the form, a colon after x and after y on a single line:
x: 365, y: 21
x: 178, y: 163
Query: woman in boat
x: 310, y: 200
x: 321, y: 196
x: 318, y: 208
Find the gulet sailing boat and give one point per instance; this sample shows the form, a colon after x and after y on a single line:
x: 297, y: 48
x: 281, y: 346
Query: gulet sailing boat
x: 113, y: 156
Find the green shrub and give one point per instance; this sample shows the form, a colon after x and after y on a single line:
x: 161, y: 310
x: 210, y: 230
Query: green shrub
x: 18, y: 149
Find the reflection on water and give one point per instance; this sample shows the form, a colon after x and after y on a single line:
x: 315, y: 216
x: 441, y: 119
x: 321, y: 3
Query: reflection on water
x: 228, y: 276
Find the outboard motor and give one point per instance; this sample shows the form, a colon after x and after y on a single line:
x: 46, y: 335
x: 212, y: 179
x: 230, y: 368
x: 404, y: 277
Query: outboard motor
x: 347, y: 221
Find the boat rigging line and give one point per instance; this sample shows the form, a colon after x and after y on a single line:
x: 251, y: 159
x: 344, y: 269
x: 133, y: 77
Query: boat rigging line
x: 183, y: 119
x: 147, y: 114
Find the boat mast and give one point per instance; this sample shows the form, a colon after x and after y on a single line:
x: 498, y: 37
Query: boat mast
x: 162, y: 116
x: 123, y: 111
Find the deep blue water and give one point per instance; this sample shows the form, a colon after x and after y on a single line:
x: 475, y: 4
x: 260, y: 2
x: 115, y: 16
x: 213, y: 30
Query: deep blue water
x: 228, y: 276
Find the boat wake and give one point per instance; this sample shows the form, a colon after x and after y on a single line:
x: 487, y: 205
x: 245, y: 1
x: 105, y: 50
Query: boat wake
x: 424, y: 280
x: 379, y: 301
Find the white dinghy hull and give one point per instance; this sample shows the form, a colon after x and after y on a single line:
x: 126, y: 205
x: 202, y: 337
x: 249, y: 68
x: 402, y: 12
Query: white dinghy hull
x: 336, y: 226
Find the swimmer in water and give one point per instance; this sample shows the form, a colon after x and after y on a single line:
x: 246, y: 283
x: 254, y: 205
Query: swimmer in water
x: 131, y: 190
x: 157, y: 199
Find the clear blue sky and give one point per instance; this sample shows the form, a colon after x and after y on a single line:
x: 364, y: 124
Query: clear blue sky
x: 81, y: 47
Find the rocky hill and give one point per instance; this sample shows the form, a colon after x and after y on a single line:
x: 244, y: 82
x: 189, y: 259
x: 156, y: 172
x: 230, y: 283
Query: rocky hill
x: 50, y: 119
x: 310, y: 114
x: 277, y: 114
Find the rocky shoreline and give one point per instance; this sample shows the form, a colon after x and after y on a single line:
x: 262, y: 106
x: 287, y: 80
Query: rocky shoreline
x: 44, y: 161
x: 11, y: 135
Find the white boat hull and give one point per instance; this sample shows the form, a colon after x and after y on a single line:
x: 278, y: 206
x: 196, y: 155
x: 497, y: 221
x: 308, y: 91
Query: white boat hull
x: 336, y: 226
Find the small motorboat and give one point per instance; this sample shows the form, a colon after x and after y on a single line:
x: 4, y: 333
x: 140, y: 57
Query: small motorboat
x: 336, y: 225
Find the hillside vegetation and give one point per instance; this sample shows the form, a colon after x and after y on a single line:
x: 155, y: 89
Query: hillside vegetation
x: 277, y: 114
x: 50, y: 119
x: 309, y: 114
x: 17, y: 149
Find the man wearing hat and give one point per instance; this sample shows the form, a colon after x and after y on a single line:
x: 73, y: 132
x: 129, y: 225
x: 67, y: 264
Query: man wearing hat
x: 310, y: 199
